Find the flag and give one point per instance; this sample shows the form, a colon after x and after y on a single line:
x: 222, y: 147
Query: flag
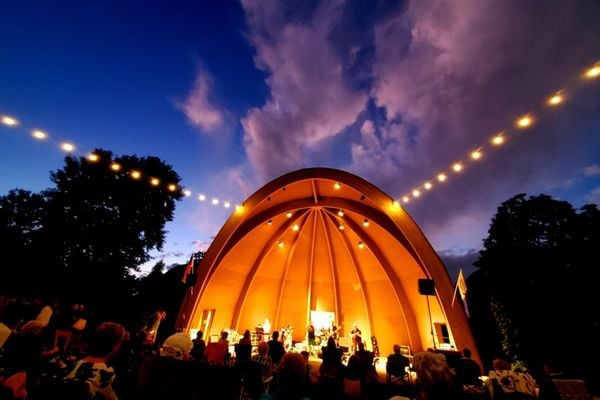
x: 461, y: 287
x: 188, y: 269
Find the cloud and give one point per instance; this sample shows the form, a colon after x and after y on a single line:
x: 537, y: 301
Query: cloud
x: 592, y: 170
x: 593, y: 196
x: 310, y: 98
x: 199, y: 108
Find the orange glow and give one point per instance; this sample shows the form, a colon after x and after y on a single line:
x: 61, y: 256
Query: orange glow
x: 155, y: 181
x: 476, y: 155
x: 172, y: 187
x: 555, y: 100
x: 93, y: 157
x: 524, y: 121
x: 406, y: 199
x: 593, y: 72
x: 136, y: 174
x: 498, y: 140
x: 115, y: 166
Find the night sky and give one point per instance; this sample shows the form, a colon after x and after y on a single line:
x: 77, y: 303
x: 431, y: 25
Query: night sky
x: 233, y: 94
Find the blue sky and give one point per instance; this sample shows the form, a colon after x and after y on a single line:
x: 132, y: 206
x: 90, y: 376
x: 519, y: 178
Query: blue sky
x: 233, y: 94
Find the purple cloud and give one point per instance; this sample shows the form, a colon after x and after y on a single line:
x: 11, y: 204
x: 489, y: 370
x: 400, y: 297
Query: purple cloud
x: 200, y: 110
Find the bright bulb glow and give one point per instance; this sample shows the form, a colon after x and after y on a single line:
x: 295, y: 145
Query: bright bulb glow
x: 441, y: 177
x: 406, y: 199
x: 366, y: 223
x: 593, y: 72
x: 340, y: 213
x: 427, y: 185
x: 115, y: 167
x: 341, y: 227
x: 280, y: 244
x: 215, y: 201
x: 93, y: 157
x: 416, y: 193
x: 498, y: 140
x: 524, y: 122
x: 187, y: 193
x: 295, y: 227
x: 476, y: 155
x: 239, y: 208
x: 555, y: 100
x: 9, y: 121
x: 457, y: 167
x: 270, y: 222
x: 136, y: 174
x: 40, y: 135
x: 227, y: 204
x: 201, y: 197
x: 155, y: 181
x: 396, y: 203
x: 337, y: 186
x: 361, y: 245
x: 67, y: 147
x: 289, y: 214
x: 172, y: 187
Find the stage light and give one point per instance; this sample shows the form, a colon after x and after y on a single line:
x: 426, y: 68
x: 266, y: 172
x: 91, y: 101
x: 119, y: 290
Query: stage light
x: 295, y: 227
x: 40, y: 135
x: 337, y: 186
x: 366, y: 223
x: 280, y: 244
x: 340, y: 213
x: 406, y: 199
x: 361, y: 245
x: 226, y: 204
x: 341, y: 227
x: 289, y: 214
x: 270, y: 222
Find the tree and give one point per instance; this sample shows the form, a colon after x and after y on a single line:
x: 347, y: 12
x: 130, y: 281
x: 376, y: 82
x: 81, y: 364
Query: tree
x: 535, y: 269
x: 100, y: 223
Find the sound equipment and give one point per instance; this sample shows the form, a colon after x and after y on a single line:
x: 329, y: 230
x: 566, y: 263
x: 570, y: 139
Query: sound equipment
x: 375, y: 346
x: 426, y: 287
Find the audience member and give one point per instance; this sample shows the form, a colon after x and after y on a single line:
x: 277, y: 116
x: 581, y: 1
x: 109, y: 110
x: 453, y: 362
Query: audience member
x: 276, y: 350
x: 503, y: 379
x: 435, y: 380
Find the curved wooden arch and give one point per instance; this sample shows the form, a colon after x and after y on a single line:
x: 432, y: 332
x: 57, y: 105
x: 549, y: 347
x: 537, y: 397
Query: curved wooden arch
x: 243, y: 278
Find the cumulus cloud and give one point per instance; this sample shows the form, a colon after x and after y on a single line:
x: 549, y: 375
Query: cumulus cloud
x: 199, y: 108
x: 443, y: 76
x: 310, y: 99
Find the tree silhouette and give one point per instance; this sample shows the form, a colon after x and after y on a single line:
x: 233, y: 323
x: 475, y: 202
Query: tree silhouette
x: 93, y: 229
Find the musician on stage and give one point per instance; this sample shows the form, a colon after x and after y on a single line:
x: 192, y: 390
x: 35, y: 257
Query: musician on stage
x: 356, y: 337
x: 311, y: 336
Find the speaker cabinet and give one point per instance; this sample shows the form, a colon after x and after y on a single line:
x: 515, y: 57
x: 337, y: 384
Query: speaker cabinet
x: 426, y: 287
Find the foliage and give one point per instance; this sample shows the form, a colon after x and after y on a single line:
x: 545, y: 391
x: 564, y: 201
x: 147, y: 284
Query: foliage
x: 534, y: 274
x: 88, y: 233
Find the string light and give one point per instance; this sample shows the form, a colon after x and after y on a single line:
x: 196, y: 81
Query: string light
x: 39, y: 135
x: 361, y: 245
x: 295, y: 227
x: 523, y: 122
x: 366, y: 223
x: 135, y: 174
x: 9, y: 121
x: 340, y: 213
x: 289, y: 214
x: 115, y: 166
